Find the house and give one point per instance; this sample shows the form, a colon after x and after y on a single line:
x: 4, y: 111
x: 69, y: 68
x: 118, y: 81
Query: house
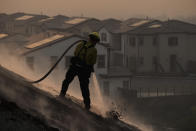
x: 27, y: 21
x: 146, y: 47
x: 47, y: 23
x: 79, y: 25
x: 162, y: 47
x: 3, y: 18
x: 109, y: 36
x: 114, y: 32
x: 16, y: 40
x: 8, y: 22
x: 21, y: 23
x: 119, y: 76
x: 12, y: 41
x: 134, y: 46
x: 22, y: 29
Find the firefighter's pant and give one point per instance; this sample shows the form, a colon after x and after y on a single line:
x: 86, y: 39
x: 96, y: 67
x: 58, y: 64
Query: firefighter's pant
x: 83, y: 76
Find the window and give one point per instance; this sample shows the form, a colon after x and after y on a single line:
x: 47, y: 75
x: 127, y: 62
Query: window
x: 67, y: 61
x: 101, y: 61
x: 127, y: 60
x: 117, y: 59
x: 132, y: 63
x: 30, y: 62
x: 53, y: 60
x: 141, y: 41
x: 154, y: 60
x: 126, y: 84
x: 155, y: 41
x: 141, y: 60
x: 106, y: 88
x: 132, y: 41
x: 103, y: 37
x: 172, y: 41
x: 173, y: 62
x: 155, y: 63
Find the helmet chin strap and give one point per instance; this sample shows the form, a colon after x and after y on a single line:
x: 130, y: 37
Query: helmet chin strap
x: 92, y: 42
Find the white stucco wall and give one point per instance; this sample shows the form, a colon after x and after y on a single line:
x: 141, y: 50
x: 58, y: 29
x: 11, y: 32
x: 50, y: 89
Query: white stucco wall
x: 147, y: 51
x: 180, y: 50
x: 101, y: 50
x: 185, y: 50
x: 126, y: 49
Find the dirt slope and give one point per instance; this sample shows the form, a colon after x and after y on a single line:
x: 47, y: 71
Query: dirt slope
x: 14, y: 118
x: 60, y: 114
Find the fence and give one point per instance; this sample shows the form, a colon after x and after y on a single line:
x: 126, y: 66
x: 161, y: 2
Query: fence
x: 155, y: 92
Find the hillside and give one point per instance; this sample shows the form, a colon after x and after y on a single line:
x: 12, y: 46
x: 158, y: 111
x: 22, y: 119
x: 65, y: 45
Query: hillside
x: 23, y: 104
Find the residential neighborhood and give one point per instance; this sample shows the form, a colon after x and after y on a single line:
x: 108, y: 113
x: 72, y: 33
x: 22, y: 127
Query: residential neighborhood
x: 129, y: 51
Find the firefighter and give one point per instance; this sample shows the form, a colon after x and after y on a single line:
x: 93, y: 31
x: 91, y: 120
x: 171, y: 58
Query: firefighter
x: 85, y: 56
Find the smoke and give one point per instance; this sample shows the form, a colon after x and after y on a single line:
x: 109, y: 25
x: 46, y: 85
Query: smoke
x: 13, y: 88
x: 52, y: 84
x: 13, y: 62
x: 135, y: 121
x: 119, y: 9
x: 99, y: 102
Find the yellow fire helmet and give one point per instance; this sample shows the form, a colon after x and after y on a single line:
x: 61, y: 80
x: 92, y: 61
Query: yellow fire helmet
x: 94, y: 36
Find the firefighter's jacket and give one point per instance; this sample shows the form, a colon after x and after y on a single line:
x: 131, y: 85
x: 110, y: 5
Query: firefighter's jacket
x: 86, y: 52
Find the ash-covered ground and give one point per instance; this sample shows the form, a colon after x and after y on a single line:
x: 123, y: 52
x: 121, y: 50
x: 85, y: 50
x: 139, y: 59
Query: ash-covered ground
x: 14, y: 118
x: 25, y: 107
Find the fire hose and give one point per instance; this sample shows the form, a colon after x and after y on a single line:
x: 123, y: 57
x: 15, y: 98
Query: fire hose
x: 57, y: 62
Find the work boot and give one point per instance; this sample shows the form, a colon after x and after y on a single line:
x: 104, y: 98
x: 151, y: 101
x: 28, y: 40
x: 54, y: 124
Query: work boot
x: 87, y: 107
x: 62, y: 95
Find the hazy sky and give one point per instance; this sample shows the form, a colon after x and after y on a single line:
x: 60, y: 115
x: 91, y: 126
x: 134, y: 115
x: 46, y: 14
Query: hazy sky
x: 102, y: 8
